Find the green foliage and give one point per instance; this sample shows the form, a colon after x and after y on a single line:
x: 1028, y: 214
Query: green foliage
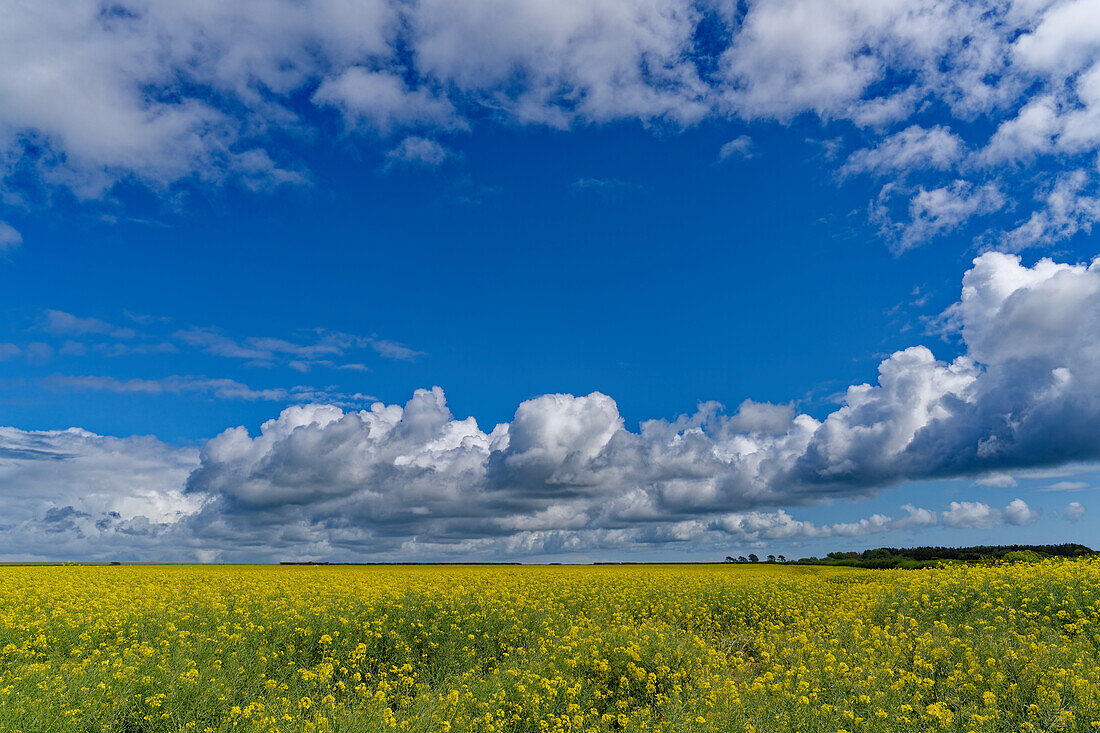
x: 1022, y: 556
x: 884, y: 558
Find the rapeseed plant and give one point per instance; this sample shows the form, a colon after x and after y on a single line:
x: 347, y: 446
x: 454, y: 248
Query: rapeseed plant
x: 483, y: 648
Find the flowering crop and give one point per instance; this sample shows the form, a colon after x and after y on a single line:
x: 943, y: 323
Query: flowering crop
x: 506, y: 648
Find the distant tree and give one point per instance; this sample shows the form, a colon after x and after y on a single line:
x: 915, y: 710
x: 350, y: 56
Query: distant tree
x: 771, y: 558
x: 729, y: 559
x: 753, y: 557
x: 782, y: 559
x: 742, y: 558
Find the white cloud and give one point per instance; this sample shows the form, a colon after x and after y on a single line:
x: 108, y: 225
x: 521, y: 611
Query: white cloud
x: 914, y: 148
x: 1018, y: 513
x: 1074, y: 511
x: 217, y: 344
x: 915, y: 518
x: 1067, y: 37
x: 104, y: 92
x: 418, y: 151
x: 779, y: 525
x: 1031, y: 132
x: 410, y: 489
x: 978, y: 515
x: 381, y: 101
x: 1024, y: 395
x: 598, y: 61
x: 393, y: 349
x: 72, y: 493
x: 221, y: 388
x: 60, y: 322
x: 795, y: 56
x: 739, y: 147
x: 1064, y: 486
x: 753, y: 526
x: 932, y: 213
x: 160, y: 92
x: 971, y: 514
x: 567, y: 474
x: 318, y: 351
x: 10, y: 238
x: 998, y: 480
x: 1068, y: 209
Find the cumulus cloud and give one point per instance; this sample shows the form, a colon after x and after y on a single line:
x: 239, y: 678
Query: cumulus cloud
x: 72, y: 493
x: 1018, y: 513
x: 1074, y: 511
x: 971, y: 514
x: 1023, y: 395
x: 978, y: 515
x: 567, y: 472
x: 779, y: 525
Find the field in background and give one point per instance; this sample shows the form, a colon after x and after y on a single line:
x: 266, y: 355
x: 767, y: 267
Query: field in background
x: 495, y: 648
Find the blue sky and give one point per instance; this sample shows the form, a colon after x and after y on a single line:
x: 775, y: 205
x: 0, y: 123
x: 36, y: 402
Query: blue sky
x: 573, y: 221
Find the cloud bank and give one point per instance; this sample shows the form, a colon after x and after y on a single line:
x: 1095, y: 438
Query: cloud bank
x: 158, y: 92
x: 566, y: 474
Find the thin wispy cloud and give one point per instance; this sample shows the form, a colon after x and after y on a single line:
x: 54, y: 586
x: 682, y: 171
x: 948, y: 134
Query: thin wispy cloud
x: 1062, y: 487
x: 739, y: 147
x: 217, y: 388
x: 267, y: 351
x: 60, y: 322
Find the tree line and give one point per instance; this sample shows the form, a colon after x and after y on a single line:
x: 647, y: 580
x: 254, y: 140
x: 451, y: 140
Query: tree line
x: 917, y: 557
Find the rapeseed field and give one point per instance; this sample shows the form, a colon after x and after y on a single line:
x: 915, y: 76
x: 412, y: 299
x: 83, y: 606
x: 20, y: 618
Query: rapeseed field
x: 502, y: 648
